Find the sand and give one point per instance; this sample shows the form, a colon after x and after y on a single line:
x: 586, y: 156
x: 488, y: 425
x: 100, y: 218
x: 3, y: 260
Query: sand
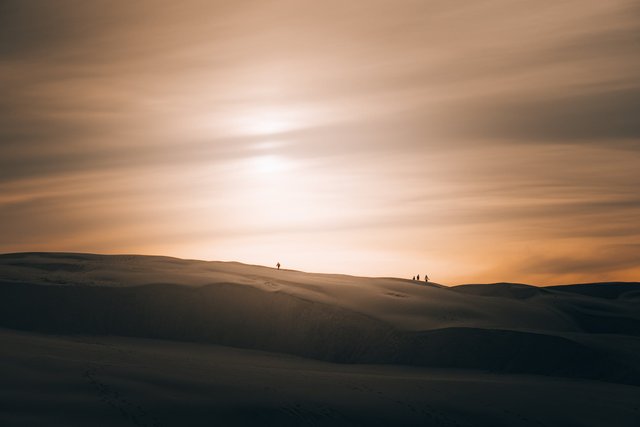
x: 139, y: 340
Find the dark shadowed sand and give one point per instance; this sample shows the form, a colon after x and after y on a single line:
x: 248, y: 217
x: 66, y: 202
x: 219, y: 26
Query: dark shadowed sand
x: 134, y: 340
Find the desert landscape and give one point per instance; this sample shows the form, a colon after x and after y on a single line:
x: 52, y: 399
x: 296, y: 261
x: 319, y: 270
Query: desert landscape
x: 158, y: 341
x: 320, y: 213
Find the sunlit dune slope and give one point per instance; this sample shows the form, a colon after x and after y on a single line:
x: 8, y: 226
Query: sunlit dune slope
x: 500, y: 327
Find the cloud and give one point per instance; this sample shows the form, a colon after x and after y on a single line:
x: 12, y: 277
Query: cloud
x: 591, y: 117
x: 442, y: 121
x: 601, y: 262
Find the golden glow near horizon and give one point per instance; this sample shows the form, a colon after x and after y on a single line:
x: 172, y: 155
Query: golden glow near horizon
x: 493, y: 141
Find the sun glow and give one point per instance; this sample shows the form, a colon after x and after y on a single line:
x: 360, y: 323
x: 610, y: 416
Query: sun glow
x: 269, y: 164
x: 275, y: 192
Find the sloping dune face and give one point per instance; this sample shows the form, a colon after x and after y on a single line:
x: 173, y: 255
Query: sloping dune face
x: 565, y: 331
x: 223, y: 313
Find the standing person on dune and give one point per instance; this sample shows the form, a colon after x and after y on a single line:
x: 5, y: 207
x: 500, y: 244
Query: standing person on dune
x: 278, y: 265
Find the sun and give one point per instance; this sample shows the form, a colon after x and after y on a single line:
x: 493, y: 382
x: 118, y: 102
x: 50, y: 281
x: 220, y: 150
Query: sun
x: 269, y: 164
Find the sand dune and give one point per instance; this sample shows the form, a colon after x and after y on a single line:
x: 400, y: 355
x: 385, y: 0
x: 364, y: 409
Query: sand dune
x: 589, y: 332
x: 329, y: 317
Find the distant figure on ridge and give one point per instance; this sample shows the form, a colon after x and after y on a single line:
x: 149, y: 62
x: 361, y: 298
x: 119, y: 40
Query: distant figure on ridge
x: 278, y: 265
x: 418, y: 277
x: 426, y: 278
x: 414, y: 278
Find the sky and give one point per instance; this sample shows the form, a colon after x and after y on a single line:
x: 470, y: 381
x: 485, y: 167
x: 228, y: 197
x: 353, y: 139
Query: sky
x: 478, y: 141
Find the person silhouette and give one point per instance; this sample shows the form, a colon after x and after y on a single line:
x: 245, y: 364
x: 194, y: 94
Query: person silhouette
x: 278, y: 265
x: 418, y: 277
x: 413, y: 278
x: 426, y: 278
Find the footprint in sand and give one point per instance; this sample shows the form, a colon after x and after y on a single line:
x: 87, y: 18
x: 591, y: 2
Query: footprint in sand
x: 271, y: 285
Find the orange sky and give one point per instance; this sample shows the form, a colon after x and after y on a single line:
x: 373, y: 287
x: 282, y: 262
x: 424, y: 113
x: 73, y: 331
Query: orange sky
x: 473, y: 141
